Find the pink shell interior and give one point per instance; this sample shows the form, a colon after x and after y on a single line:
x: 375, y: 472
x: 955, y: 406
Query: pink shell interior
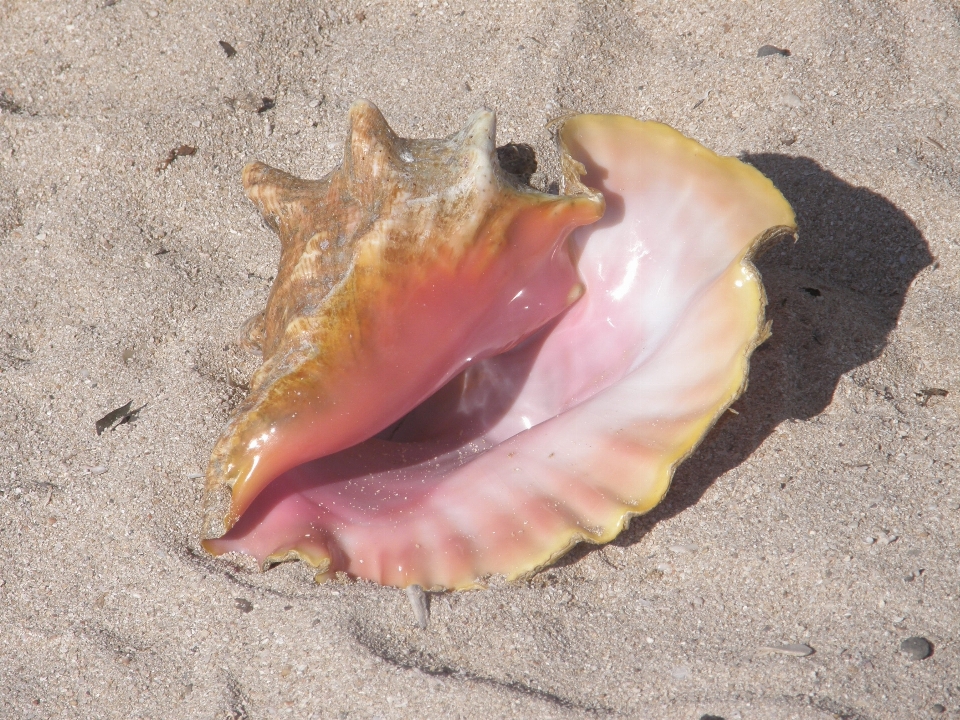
x: 484, y: 266
x: 565, y: 436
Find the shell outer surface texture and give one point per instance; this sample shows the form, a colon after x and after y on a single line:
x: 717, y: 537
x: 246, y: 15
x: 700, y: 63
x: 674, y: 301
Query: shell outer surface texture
x: 409, y: 261
x: 566, y: 432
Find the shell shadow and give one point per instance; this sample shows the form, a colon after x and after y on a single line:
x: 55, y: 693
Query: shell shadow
x: 834, y: 297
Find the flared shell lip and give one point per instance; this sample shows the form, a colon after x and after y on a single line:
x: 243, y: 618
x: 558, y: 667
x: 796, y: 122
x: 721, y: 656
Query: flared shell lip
x: 695, y: 436
x: 787, y: 228
x: 573, y: 171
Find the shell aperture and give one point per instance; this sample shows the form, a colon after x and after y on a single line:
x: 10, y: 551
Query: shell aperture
x: 578, y: 423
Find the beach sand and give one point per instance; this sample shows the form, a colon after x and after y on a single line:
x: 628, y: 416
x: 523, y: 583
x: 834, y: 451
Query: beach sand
x: 825, y: 513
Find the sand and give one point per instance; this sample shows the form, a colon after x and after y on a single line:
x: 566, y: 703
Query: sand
x: 123, y: 283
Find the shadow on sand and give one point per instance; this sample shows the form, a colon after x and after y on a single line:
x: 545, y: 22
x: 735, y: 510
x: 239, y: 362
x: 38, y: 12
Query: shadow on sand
x: 834, y: 297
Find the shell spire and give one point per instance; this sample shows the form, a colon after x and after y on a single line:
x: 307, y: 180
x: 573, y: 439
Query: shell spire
x: 371, y: 149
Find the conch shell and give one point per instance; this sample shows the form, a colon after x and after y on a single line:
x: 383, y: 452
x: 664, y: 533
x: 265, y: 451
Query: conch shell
x: 437, y: 402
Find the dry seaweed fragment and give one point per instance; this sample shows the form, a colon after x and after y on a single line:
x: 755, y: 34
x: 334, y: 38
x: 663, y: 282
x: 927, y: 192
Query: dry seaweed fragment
x: 924, y: 395
x: 182, y: 151
x: 120, y: 416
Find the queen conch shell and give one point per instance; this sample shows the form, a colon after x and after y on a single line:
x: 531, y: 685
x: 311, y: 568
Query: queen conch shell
x: 464, y: 377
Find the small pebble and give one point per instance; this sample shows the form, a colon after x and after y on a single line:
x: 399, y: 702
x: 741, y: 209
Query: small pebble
x: 792, y: 649
x: 766, y: 50
x: 916, y: 648
x: 938, y: 709
x: 418, y: 601
x: 249, y: 102
x: 680, y: 673
x: 683, y: 549
x: 869, y: 540
x: 791, y: 100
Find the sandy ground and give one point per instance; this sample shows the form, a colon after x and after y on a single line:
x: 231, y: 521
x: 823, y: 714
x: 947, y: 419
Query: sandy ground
x: 120, y: 282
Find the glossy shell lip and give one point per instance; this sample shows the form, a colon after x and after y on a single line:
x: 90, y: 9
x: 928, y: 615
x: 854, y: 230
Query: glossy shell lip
x: 596, y: 419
